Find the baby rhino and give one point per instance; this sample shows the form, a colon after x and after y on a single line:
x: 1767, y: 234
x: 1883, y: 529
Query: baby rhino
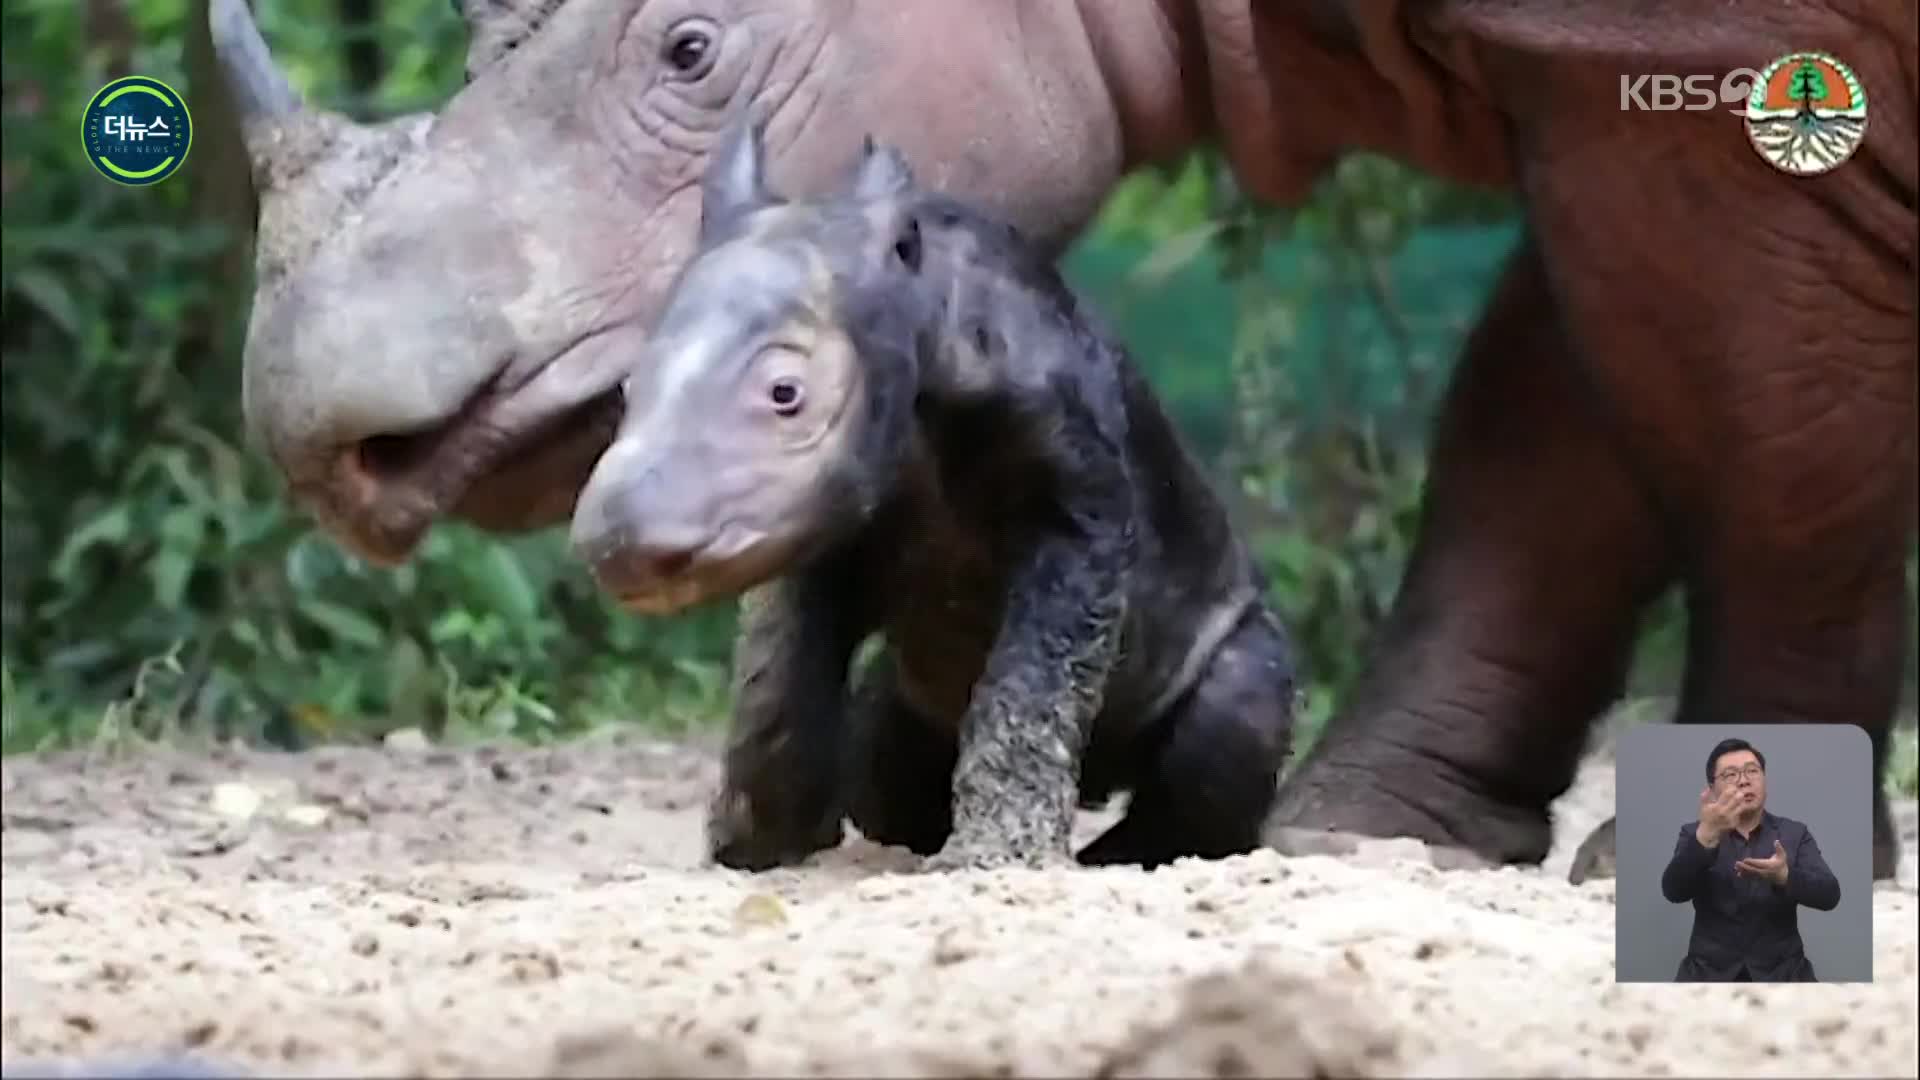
x: 881, y: 413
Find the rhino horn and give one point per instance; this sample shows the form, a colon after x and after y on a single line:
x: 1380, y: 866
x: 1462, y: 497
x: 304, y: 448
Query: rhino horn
x: 734, y: 184
x: 882, y: 170
x: 309, y: 164
x: 260, y: 92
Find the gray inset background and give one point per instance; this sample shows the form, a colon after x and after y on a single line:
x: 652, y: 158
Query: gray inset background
x: 1819, y: 774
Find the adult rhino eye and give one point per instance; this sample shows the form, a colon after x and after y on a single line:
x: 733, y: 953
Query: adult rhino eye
x: 688, y: 49
x: 787, y: 396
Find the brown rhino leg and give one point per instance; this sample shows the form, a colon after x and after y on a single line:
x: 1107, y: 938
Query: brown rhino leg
x: 1765, y: 648
x: 1514, y: 623
x: 1786, y: 627
x: 1757, y: 331
x: 1797, y: 596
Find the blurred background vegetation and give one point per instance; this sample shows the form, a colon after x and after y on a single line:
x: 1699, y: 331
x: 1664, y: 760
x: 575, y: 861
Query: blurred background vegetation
x: 155, y: 585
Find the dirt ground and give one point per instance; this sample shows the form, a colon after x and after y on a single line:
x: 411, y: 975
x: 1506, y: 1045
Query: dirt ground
x: 412, y: 910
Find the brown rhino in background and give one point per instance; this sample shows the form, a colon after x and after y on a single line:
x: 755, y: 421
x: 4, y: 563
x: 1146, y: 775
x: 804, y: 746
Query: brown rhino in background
x: 1696, y: 368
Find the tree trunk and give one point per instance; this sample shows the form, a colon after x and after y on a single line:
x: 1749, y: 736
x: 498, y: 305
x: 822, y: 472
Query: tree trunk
x: 111, y: 33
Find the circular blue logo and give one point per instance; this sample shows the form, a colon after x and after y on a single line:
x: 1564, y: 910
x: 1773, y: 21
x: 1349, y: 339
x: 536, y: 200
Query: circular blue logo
x: 137, y: 131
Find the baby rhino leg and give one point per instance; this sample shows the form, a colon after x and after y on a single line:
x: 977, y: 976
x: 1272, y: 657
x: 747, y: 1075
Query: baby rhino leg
x: 902, y: 771
x: 1205, y: 789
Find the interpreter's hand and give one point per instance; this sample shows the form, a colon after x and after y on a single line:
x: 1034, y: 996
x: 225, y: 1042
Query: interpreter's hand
x: 1717, y: 814
x: 1772, y: 868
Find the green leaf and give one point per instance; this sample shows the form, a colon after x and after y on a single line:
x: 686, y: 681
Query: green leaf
x: 311, y: 562
x: 51, y: 296
x: 503, y: 585
x: 342, y: 622
x: 1174, y: 254
x: 247, y: 635
x: 184, y: 527
x: 411, y: 683
x: 455, y: 625
x: 179, y: 468
x: 112, y: 526
x: 170, y: 568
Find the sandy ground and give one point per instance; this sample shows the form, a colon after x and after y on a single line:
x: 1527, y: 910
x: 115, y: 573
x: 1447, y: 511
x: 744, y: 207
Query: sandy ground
x: 499, y: 912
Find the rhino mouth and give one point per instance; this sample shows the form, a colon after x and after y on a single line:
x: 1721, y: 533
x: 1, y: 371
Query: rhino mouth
x: 727, y: 567
x: 506, y: 461
x: 544, y: 472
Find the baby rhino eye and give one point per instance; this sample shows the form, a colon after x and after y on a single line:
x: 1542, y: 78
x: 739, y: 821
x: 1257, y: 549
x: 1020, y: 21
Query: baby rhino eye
x: 786, y: 395
x: 906, y: 246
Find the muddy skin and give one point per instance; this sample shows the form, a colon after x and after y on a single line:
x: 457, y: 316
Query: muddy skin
x: 1064, y: 608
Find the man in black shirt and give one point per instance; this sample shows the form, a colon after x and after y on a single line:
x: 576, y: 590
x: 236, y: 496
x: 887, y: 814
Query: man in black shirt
x: 1746, y: 871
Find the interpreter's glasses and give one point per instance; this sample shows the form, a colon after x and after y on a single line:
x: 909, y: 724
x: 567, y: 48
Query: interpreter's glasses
x: 1728, y: 777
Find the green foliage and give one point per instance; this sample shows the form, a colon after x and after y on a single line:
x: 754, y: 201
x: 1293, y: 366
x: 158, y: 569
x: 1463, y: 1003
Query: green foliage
x: 1903, y: 760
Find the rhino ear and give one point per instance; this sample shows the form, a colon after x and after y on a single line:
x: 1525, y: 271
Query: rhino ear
x: 883, y: 171
x: 735, y: 183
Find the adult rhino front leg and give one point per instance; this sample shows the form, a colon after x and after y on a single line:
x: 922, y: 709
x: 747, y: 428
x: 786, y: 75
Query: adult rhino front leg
x: 1512, y: 630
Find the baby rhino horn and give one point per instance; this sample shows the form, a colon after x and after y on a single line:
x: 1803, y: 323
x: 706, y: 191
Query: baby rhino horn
x: 735, y: 181
x: 883, y: 171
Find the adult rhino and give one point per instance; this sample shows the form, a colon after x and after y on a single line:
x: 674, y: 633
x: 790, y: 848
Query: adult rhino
x: 1696, y: 368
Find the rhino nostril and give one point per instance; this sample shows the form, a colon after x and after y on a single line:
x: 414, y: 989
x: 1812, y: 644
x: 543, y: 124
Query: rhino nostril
x: 383, y: 456
x: 367, y: 469
x: 672, y: 564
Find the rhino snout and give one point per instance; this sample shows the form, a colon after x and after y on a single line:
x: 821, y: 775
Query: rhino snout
x: 640, y: 565
x: 644, y: 528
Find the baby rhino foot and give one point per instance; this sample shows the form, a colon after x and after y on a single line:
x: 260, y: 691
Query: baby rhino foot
x: 736, y: 840
x: 980, y: 853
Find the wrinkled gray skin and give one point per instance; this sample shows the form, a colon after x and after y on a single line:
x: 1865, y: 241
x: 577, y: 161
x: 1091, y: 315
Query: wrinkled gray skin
x: 1695, y: 373
x: 884, y: 413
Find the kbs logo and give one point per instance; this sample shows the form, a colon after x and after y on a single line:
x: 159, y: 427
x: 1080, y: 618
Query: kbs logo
x: 1689, y: 93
